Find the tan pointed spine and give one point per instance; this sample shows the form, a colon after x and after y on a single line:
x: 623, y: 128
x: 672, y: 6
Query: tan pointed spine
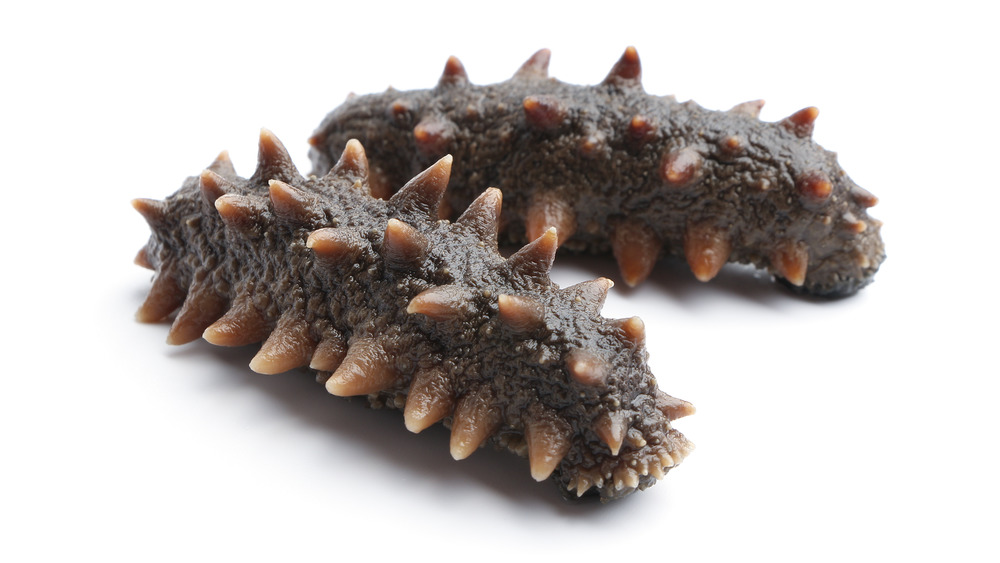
x: 814, y: 186
x: 243, y: 324
x: 422, y: 194
x: 273, y: 160
x: 142, y: 259
x: 166, y: 295
x: 152, y: 210
x: 223, y: 166
x: 545, y: 112
x: 243, y: 213
x: 611, y: 427
x: 521, y: 313
x: 707, y: 248
x: 548, y: 437
x: 750, y: 109
x: 790, y: 261
x: 336, y: 247
x: 534, y: 260
x: 591, y: 293
x: 202, y: 307
x: 586, y: 367
x: 863, y: 197
x: 537, y: 66
x: 430, y: 399
x: 442, y: 303
x: 294, y: 204
x: 402, y: 245
x: 636, y: 247
x: 289, y: 346
x: 548, y: 210
x: 634, y: 330
x: 454, y: 73
x: 475, y: 419
x: 433, y: 135
x: 641, y: 130
x: 353, y: 165
x: 213, y: 186
x: 672, y: 407
x: 366, y: 368
x: 627, y: 72
x: 682, y: 167
x: 801, y: 122
x: 483, y: 215
x: 329, y: 352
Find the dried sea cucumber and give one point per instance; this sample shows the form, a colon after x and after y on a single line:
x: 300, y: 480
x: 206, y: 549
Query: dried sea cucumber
x: 612, y: 166
x: 384, y: 300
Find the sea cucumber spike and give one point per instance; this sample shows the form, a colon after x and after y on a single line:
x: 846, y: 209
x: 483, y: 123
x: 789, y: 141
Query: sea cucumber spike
x: 790, y: 260
x: 593, y: 145
x: 814, y: 186
x: 732, y: 146
x: 482, y: 216
x: 682, y: 167
x: 153, y: 211
x: 443, y: 303
x: 537, y: 66
x: 707, y: 248
x: 636, y: 247
x: 422, y: 195
x: 202, y: 307
x: 475, y: 419
x: 243, y: 324
x: 329, y: 352
x: 353, y: 165
x: 367, y: 368
x: 289, y: 346
x: 335, y: 247
x: 521, y: 313
x: 751, y: 108
x: 213, y: 186
x: 801, y: 122
x: 611, y: 427
x: 223, y: 166
x: 142, y: 259
x: 583, y: 484
x: 627, y: 72
x: 634, y: 330
x: 547, y: 210
x: 434, y: 135
x: 534, y: 260
x: 273, y: 161
x: 863, y: 197
x: 852, y: 224
x: 544, y: 112
x: 590, y: 294
x: 641, y: 130
x: 672, y: 407
x: 166, y: 295
x: 430, y: 399
x: 454, y: 73
x: 295, y: 205
x: 548, y: 437
x: 241, y: 212
x: 402, y: 245
x: 586, y: 367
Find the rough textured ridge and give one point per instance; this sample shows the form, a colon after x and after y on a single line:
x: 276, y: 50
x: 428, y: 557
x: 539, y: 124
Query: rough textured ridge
x: 384, y: 300
x: 614, y: 168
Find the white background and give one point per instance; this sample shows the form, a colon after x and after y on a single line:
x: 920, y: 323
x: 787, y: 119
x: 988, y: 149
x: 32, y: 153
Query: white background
x: 863, y: 429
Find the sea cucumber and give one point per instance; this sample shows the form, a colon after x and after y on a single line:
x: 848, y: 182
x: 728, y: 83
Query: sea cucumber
x: 615, y: 168
x: 384, y: 300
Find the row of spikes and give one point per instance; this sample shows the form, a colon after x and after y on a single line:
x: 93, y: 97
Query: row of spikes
x: 626, y: 474
x: 363, y: 366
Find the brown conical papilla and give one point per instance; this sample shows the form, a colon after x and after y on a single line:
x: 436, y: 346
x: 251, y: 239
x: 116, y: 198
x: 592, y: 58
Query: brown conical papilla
x: 454, y: 73
x: 814, y: 186
x: 153, y: 211
x: 637, y: 247
x: 142, y: 259
x: 403, y: 246
x: 707, y: 248
x: 289, y: 346
x: 202, y: 307
x: 751, y: 108
x: 627, y: 72
x: 548, y: 210
x: 213, y: 186
x: 243, y: 324
x: 434, y: 135
x: 548, y: 437
x: 353, y: 165
x: 801, y: 122
x: 534, y: 260
x: 166, y: 295
x: 336, y: 247
x: 443, y: 303
x: 422, y: 195
x: 329, y: 352
x: 863, y: 197
x: 483, y: 216
x: 295, y: 205
x: 682, y: 168
x: 641, y: 130
x: 634, y: 330
x: 611, y: 428
x: 521, y: 313
x: 672, y: 407
x: 591, y: 294
x: 537, y: 66
x: 273, y: 161
x: 851, y: 224
x: 430, y: 399
x: 243, y: 213
x: 544, y: 112
x: 790, y: 261
x: 586, y: 367
x: 367, y: 368
x: 223, y: 166
x: 475, y: 419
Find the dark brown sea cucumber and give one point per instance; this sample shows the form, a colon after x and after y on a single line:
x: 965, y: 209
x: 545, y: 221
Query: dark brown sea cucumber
x: 384, y: 300
x: 614, y: 168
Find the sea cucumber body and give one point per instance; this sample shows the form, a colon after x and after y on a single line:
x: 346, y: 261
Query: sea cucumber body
x: 384, y: 300
x: 614, y: 165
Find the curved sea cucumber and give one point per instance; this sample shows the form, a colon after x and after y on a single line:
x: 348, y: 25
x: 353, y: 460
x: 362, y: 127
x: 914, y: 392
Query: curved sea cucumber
x: 613, y: 167
x: 384, y: 300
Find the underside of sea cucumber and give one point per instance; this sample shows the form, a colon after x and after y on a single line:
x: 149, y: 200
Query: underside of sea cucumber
x: 614, y: 168
x: 384, y: 300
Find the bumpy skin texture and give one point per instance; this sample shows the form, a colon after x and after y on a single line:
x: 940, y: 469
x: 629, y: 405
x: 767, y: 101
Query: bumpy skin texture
x: 384, y: 300
x: 617, y: 168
